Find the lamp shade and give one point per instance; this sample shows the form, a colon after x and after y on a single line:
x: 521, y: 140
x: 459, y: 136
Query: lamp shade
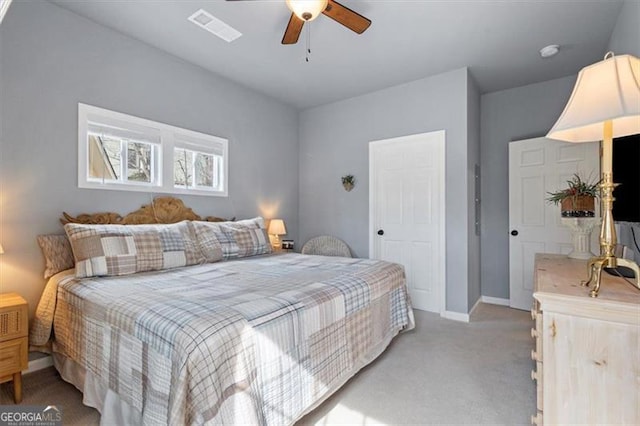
x: 307, y: 10
x: 1, y: 251
x: 276, y: 227
x: 606, y: 90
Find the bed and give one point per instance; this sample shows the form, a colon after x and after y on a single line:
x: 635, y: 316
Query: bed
x: 259, y: 339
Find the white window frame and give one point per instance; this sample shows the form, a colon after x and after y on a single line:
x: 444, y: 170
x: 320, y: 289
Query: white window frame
x: 156, y: 159
x: 194, y: 144
x: 217, y: 160
x: 165, y: 136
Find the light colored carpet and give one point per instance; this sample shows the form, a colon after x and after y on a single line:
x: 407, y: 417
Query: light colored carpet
x: 444, y: 372
x: 45, y: 387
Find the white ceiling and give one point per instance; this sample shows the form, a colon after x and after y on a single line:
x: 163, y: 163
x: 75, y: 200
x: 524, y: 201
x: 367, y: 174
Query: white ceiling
x: 408, y: 40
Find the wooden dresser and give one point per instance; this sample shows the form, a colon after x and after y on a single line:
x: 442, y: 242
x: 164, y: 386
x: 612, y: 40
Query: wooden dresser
x: 587, y: 350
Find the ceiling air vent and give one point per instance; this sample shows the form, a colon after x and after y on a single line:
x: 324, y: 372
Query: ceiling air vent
x: 207, y: 21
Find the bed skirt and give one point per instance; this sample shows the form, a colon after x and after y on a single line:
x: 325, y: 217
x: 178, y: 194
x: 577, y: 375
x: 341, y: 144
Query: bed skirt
x: 114, y: 410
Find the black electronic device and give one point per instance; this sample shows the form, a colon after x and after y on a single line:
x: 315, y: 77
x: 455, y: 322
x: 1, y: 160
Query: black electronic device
x: 626, y: 173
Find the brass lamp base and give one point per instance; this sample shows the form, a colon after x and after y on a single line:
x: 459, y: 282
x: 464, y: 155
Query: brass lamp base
x: 595, y: 271
x: 608, y: 238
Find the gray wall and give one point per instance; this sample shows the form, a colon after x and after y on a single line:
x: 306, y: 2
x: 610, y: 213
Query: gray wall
x: 625, y: 38
x: 334, y: 141
x: 473, y: 158
x: 509, y: 115
x: 50, y: 60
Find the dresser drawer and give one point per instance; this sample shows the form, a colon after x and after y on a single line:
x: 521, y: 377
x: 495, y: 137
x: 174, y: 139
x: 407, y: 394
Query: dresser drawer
x: 13, y: 356
x: 539, y: 331
x: 539, y: 386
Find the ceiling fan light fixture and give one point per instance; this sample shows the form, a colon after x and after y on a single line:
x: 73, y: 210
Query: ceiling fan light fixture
x: 307, y: 10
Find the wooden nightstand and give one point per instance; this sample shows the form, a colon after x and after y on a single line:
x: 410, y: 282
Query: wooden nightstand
x: 14, y: 344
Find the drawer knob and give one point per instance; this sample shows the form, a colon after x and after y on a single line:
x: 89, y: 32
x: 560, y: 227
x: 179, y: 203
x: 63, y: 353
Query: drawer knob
x: 537, y: 419
x: 534, y: 314
x: 534, y: 355
x: 534, y: 333
x: 534, y: 375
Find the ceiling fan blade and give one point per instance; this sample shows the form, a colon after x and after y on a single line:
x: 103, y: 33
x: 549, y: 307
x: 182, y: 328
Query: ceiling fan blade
x: 347, y: 17
x: 294, y: 28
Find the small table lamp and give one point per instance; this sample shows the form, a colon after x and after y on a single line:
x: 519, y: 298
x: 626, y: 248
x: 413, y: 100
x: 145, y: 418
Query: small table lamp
x: 605, y: 104
x: 277, y: 228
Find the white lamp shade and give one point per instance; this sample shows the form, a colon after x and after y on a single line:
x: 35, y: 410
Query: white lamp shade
x: 276, y: 227
x: 606, y: 90
x: 313, y: 7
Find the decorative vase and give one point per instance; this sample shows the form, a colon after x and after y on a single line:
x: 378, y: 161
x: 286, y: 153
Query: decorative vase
x: 581, y: 228
x: 578, y: 206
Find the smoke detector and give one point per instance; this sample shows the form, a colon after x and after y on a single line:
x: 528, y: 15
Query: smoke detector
x: 549, y: 51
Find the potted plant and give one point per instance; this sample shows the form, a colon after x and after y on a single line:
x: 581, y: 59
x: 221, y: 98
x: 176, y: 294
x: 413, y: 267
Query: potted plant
x: 348, y: 181
x: 578, y: 199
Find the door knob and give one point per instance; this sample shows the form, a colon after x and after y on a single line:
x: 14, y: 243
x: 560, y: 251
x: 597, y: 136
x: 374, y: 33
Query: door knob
x: 514, y: 232
x: 380, y: 232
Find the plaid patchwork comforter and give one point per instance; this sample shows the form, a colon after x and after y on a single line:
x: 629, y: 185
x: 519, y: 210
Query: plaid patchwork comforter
x: 252, y: 341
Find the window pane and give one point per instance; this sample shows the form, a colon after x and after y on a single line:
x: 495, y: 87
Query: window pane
x: 139, y: 157
x: 104, y: 158
x: 182, y: 160
x: 204, y: 169
x: 127, y: 153
x: 217, y: 172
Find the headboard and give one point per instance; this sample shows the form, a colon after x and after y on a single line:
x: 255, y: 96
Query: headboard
x: 161, y: 210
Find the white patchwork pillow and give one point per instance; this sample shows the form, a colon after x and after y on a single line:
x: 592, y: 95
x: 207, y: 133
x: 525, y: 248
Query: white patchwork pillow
x: 250, y: 241
x: 106, y: 250
x: 230, y: 240
x: 256, y: 222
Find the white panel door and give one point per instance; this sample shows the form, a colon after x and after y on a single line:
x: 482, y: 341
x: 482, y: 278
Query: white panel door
x: 407, y: 212
x: 536, y: 167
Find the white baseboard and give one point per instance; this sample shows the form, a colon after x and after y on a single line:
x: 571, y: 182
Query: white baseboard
x: 475, y: 306
x: 39, y: 364
x: 495, y: 300
x: 455, y: 316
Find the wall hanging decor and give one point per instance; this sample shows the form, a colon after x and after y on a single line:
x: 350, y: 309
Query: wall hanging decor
x: 348, y: 181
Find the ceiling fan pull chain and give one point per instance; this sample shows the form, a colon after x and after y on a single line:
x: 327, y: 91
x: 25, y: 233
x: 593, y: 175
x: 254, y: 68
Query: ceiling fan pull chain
x: 308, y: 41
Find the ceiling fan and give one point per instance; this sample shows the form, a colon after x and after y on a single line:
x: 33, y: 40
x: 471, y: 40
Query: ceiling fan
x: 307, y: 10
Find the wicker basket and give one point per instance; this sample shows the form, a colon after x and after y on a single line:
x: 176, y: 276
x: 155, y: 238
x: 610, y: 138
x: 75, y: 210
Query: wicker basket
x: 578, y: 206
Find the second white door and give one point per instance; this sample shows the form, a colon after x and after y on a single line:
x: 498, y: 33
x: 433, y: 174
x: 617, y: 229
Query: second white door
x: 536, y: 167
x: 407, y: 222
